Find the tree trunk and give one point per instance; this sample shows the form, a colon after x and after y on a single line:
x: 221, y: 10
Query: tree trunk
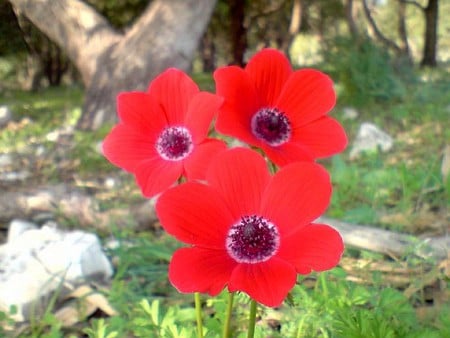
x: 403, y: 33
x: 431, y: 20
x: 286, y: 40
x: 165, y: 35
x: 208, y: 53
x: 238, y: 32
x: 349, y: 14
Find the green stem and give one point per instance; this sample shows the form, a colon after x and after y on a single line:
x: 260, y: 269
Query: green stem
x: 252, y: 319
x: 273, y: 167
x: 198, y: 314
x: 300, y: 328
x: 323, y: 284
x: 226, y: 325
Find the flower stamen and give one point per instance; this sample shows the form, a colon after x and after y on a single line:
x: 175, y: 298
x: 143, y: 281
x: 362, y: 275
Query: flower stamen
x: 174, y: 143
x: 271, y: 126
x: 252, y: 240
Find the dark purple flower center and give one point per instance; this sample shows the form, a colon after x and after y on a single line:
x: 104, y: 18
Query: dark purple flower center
x: 271, y: 126
x: 254, y: 239
x: 174, y: 143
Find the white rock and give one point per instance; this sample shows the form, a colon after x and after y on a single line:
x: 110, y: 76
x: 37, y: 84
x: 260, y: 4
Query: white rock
x: 52, y: 136
x: 5, y: 160
x: 40, y: 150
x: 110, y: 182
x: 5, y: 116
x: 370, y: 138
x: 36, y: 263
x: 18, y: 227
x: 56, y: 134
x: 350, y: 113
x: 14, y: 176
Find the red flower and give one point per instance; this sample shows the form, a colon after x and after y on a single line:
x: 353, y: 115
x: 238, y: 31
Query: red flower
x: 248, y: 230
x: 281, y: 111
x: 162, y: 132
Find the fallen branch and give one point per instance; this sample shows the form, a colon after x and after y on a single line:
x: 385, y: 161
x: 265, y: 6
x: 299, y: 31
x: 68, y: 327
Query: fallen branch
x: 72, y: 203
x: 388, y: 242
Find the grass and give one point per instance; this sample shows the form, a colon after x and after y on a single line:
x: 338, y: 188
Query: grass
x: 38, y: 113
x: 402, y: 190
x: 407, y: 180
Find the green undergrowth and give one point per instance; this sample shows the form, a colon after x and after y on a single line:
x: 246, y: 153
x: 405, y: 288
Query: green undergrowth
x: 325, y: 305
x: 321, y: 305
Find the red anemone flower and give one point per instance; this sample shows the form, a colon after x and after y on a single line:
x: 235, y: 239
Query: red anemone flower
x: 248, y: 230
x: 281, y: 111
x: 162, y: 133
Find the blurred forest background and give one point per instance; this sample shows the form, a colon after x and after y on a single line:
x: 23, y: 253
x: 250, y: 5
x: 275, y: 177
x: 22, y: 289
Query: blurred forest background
x: 369, y: 46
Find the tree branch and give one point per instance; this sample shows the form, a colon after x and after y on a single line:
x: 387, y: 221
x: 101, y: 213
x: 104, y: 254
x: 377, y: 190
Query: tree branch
x: 388, y: 242
x: 402, y: 31
x: 296, y: 17
x: 414, y: 3
x: 72, y: 203
x: 267, y: 12
x: 377, y: 31
x: 75, y: 26
x: 353, y: 29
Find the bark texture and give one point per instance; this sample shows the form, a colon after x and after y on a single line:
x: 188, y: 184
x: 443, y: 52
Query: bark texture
x: 238, y: 31
x: 402, y: 32
x: 165, y: 35
x: 431, y: 21
x: 349, y: 14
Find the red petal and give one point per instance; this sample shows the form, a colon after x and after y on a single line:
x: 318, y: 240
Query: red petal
x: 269, y: 69
x: 325, y: 137
x: 140, y: 111
x: 195, y: 214
x: 288, y: 153
x: 155, y: 175
x: 296, y: 195
x: 307, y: 95
x: 197, y: 163
x: 202, y: 108
x: 126, y: 148
x: 315, y: 247
x: 268, y: 283
x: 173, y: 89
x: 241, y: 176
x: 200, y: 270
x: 241, y: 102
